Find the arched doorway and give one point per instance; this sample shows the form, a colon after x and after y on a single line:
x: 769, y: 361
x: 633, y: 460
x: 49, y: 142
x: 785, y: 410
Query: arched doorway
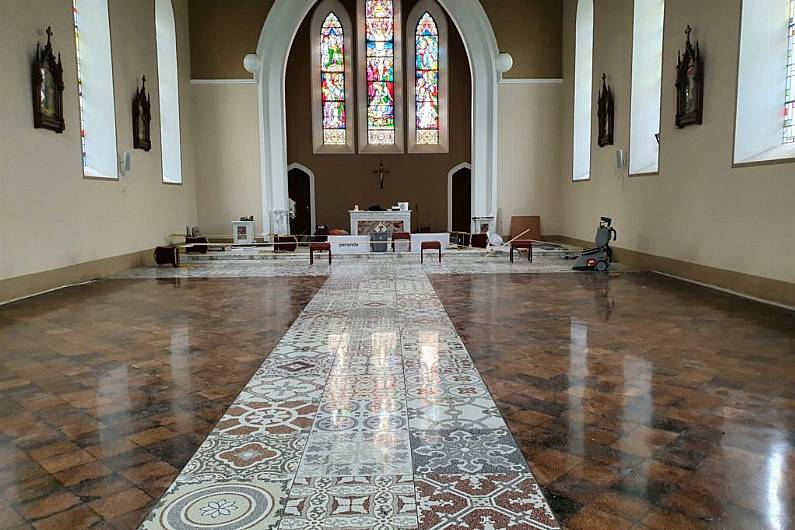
x: 459, y: 198
x: 301, y: 190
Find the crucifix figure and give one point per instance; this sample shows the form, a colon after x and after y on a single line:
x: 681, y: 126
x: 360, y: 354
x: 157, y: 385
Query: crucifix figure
x: 381, y: 172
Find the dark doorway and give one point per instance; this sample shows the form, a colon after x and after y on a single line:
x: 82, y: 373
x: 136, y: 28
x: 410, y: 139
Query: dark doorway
x: 462, y: 200
x: 298, y: 189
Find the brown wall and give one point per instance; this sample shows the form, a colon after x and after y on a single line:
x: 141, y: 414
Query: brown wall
x: 222, y: 33
x: 344, y: 180
x: 530, y: 30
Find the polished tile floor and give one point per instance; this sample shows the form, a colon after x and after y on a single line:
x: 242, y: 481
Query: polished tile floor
x: 108, y: 389
x: 368, y: 414
x: 638, y: 400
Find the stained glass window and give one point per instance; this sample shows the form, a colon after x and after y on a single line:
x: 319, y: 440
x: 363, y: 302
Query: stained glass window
x: 789, y: 98
x: 95, y: 88
x: 427, y: 80
x: 332, y: 81
x: 81, y: 101
x: 380, y: 45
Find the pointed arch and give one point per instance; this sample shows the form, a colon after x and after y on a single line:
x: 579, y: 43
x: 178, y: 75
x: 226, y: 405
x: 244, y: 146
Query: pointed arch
x: 269, y: 68
x: 311, y: 175
x: 333, y: 129
x: 450, y: 175
x: 428, y: 80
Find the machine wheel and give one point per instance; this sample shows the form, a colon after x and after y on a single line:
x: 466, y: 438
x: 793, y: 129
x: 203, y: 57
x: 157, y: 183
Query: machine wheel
x: 602, y: 266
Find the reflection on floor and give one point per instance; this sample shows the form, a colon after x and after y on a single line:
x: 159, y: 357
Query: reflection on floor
x: 107, y: 389
x: 295, y: 266
x: 367, y: 414
x: 639, y: 401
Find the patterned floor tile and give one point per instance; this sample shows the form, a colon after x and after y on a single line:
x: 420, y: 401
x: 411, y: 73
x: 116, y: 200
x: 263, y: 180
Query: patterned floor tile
x: 337, y: 414
x: 466, y: 452
x: 449, y: 413
x: 228, y: 505
x: 260, y: 458
x: 283, y: 389
x: 258, y: 417
x: 351, y: 503
x: 363, y: 453
x: 482, y: 502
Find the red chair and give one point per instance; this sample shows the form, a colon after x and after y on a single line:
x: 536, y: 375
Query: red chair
x: 285, y: 244
x: 319, y: 247
x: 401, y: 236
x: 523, y: 243
x: 430, y: 245
x: 479, y: 241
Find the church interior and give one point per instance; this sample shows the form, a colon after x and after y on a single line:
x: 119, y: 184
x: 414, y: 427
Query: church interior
x: 397, y: 264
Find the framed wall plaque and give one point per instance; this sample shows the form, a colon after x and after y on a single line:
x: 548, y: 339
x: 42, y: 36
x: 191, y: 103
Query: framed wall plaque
x: 606, y: 113
x: 142, y: 118
x: 689, y: 85
x: 47, y: 85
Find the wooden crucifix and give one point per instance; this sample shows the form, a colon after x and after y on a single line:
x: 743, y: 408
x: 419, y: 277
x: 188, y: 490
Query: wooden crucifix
x: 381, y: 172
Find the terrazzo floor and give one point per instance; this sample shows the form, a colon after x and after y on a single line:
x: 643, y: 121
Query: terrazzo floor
x: 368, y: 414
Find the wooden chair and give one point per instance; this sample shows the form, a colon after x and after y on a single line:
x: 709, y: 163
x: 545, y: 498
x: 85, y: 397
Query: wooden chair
x: 319, y: 247
x: 285, y: 244
x: 401, y: 236
x: 430, y: 245
x: 523, y: 243
x: 479, y: 241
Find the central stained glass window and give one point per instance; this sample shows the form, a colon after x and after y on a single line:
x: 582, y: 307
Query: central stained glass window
x: 380, y: 34
x: 427, y: 81
x: 332, y: 80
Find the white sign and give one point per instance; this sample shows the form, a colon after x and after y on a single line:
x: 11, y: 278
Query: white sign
x: 349, y: 244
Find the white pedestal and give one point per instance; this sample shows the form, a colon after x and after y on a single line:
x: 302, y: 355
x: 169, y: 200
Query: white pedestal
x: 243, y: 232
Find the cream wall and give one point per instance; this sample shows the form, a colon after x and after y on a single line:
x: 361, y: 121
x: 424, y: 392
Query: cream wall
x: 50, y: 216
x: 698, y: 209
x: 226, y: 138
x: 529, y: 152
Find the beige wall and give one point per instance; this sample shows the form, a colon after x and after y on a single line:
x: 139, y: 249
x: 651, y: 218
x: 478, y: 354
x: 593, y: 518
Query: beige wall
x: 529, y: 153
x: 51, y: 217
x: 226, y: 138
x: 698, y: 209
x: 222, y: 33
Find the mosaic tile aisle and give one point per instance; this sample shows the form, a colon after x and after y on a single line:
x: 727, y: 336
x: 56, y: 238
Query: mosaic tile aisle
x: 368, y: 414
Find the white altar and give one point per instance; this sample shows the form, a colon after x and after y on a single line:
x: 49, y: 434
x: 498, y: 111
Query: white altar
x: 363, y: 222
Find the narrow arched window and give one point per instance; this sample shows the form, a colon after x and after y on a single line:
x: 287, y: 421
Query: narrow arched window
x: 789, y: 94
x: 380, y: 74
x: 428, y: 80
x: 647, y: 49
x: 332, y: 92
x: 766, y: 79
x: 95, y: 88
x: 583, y: 89
x: 168, y: 89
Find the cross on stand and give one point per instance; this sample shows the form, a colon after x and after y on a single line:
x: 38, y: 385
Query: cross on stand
x: 381, y: 172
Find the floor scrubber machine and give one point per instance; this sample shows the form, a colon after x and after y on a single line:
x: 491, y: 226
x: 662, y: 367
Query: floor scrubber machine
x: 599, y: 257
